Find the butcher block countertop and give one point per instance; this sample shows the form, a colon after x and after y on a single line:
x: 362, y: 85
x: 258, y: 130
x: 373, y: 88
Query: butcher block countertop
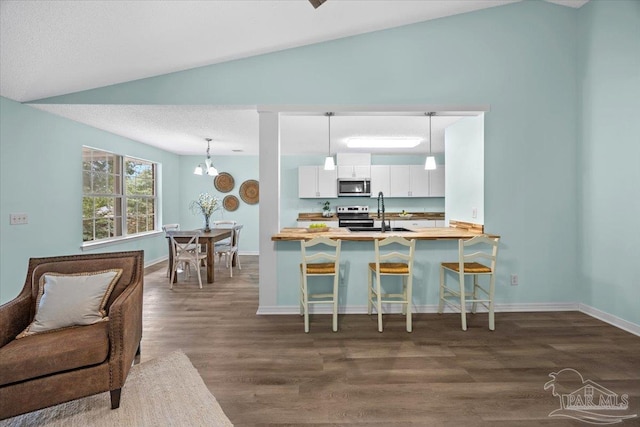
x: 317, y: 216
x: 449, y: 233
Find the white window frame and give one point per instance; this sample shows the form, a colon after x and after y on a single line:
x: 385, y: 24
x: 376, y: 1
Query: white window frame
x: 121, y: 198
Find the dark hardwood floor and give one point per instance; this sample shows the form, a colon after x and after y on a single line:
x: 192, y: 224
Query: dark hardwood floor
x: 265, y: 371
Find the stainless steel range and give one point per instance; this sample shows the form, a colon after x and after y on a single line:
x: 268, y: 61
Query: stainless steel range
x: 354, y: 216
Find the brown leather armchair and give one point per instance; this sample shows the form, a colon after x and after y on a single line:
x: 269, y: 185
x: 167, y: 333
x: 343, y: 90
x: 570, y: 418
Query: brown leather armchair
x: 49, y: 368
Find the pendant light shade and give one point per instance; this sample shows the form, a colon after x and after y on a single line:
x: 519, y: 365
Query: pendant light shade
x: 329, y: 164
x: 430, y: 163
x: 209, y: 169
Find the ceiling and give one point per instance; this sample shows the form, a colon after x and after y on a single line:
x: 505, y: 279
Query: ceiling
x: 50, y: 48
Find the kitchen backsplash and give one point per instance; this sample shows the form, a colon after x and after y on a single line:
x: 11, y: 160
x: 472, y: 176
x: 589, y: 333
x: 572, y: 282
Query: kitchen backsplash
x: 391, y: 204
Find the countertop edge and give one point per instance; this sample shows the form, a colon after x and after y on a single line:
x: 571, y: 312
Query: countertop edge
x: 448, y: 233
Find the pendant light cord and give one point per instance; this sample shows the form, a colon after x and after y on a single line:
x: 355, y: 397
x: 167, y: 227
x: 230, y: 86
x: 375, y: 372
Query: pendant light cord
x: 430, y: 115
x: 329, y: 115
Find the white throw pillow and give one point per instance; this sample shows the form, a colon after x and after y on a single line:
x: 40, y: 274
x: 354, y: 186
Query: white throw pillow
x: 71, y: 300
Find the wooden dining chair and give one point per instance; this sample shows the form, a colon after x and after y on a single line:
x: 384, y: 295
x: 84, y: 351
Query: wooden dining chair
x: 182, y: 244
x: 479, y: 248
x: 229, y: 250
x: 166, y: 228
x: 393, y: 258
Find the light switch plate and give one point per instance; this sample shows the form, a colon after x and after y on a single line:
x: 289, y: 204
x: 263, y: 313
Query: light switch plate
x: 18, y: 218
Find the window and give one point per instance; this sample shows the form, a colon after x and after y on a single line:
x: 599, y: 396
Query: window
x: 119, y: 195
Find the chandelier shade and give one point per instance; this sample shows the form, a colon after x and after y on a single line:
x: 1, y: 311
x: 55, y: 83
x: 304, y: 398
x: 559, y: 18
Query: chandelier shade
x: 208, y: 169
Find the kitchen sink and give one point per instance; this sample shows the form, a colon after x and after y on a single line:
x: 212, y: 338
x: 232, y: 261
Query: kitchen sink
x: 378, y: 229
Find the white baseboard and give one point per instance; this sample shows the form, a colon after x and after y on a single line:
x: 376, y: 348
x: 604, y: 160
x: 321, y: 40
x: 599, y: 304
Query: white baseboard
x: 166, y: 257
x: 155, y: 261
x: 433, y: 308
x: 610, y: 319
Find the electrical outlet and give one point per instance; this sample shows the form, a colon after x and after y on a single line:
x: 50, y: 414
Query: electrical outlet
x: 18, y: 218
x: 474, y: 213
x: 514, y: 280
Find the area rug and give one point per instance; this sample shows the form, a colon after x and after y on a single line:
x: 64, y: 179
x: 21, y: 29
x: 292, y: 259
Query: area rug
x: 166, y: 391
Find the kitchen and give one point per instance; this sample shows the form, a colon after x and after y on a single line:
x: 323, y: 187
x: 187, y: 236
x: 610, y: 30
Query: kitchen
x: 466, y: 142
x: 305, y: 187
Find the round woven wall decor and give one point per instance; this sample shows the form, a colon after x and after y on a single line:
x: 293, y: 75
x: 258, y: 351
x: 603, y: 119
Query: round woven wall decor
x: 250, y: 191
x: 224, y: 182
x: 230, y: 203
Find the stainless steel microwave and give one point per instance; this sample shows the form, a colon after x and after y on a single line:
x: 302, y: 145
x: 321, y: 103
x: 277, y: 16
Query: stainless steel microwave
x: 354, y: 187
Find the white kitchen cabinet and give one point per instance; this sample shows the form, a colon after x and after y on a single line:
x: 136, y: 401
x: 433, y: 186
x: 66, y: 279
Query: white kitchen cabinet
x: 419, y: 181
x: 379, y: 180
x: 315, y: 182
x: 436, y: 182
x: 354, y: 165
x: 413, y: 223
x: 354, y: 171
x: 408, y: 181
x: 327, y: 183
x: 399, y: 181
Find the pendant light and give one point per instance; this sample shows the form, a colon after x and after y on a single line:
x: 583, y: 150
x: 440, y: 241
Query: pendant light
x: 329, y: 164
x: 209, y: 168
x: 430, y: 163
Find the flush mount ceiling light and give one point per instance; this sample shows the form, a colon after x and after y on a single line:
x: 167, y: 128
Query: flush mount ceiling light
x: 209, y: 169
x: 362, y: 142
x: 430, y: 163
x: 329, y: 164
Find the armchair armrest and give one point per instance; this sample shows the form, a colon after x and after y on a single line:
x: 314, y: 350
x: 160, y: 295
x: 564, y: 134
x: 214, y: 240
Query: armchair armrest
x: 125, y: 331
x: 15, y: 315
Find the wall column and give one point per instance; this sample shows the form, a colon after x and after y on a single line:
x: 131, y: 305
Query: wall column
x: 269, y: 213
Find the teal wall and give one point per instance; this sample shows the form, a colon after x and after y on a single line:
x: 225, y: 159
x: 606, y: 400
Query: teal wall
x: 529, y: 62
x: 241, y: 168
x: 609, y: 71
x: 40, y: 174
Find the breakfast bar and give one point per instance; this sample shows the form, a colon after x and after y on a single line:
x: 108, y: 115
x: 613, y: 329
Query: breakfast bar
x: 342, y: 233
x: 433, y: 246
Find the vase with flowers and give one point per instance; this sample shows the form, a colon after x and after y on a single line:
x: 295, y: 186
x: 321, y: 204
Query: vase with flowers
x: 326, y: 210
x: 205, y: 204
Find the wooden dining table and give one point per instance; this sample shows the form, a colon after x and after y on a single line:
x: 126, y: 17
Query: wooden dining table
x: 207, y: 238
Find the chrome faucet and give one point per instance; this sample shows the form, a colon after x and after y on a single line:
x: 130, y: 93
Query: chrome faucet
x: 381, y: 198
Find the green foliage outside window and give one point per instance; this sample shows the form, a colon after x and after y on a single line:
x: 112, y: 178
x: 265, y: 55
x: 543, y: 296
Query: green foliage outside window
x: 108, y: 181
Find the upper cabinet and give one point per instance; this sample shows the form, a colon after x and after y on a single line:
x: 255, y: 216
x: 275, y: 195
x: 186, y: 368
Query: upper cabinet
x: 415, y: 181
x: 354, y: 171
x: 399, y: 181
x: 354, y: 165
x: 314, y: 182
x: 419, y: 181
x: 436, y: 182
x: 379, y: 180
x: 392, y: 180
x: 408, y: 181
